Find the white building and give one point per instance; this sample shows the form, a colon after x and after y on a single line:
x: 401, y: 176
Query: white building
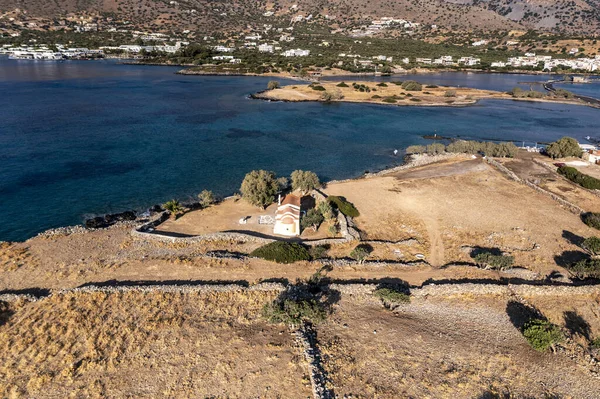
x: 296, y: 53
x: 287, y: 216
x: 265, y: 48
x: 223, y: 49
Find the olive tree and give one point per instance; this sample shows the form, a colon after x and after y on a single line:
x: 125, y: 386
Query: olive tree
x: 206, y: 198
x: 272, y: 85
x: 304, y: 181
x: 565, y: 147
x: 259, y: 188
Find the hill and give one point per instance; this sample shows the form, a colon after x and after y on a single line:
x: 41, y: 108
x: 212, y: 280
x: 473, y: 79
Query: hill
x: 574, y: 16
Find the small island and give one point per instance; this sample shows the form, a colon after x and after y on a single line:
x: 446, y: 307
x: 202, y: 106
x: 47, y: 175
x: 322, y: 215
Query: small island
x: 402, y: 93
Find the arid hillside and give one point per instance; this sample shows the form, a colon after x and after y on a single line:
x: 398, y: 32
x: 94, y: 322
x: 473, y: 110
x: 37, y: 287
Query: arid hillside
x: 210, y: 16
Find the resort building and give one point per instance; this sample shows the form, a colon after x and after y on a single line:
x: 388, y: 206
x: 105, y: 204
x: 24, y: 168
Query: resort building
x: 287, y: 216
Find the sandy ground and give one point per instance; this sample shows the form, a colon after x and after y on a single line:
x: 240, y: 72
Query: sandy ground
x: 443, y: 348
x: 226, y: 217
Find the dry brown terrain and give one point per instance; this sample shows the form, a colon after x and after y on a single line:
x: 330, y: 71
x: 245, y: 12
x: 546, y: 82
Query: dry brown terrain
x: 428, y: 96
x: 392, y: 94
x: 526, y: 169
x: 211, y: 343
x: 149, y: 345
x: 448, y: 347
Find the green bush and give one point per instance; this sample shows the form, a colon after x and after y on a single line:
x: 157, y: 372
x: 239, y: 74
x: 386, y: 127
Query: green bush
x: 317, y: 87
x: 431, y: 87
x: 294, y: 312
x: 342, y: 84
x: 391, y: 295
x: 595, y: 343
x: 495, y: 262
x: 259, y: 188
x: 415, y: 100
x: 397, y: 82
x: 313, y: 218
x: 490, y: 149
x: 416, y: 149
x: 411, y: 85
x: 382, y: 84
x: 565, y: 147
x: 541, y: 334
x: 360, y: 253
x: 586, y: 268
x: 450, y: 93
x: 272, y: 85
x: 344, y: 206
x: 376, y: 96
x: 582, y: 179
x: 282, y: 252
x: 592, y: 245
x: 592, y: 219
x: 389, y: 100
x: 206, y: 198
x: 318, y: 251
x: 436, y: 148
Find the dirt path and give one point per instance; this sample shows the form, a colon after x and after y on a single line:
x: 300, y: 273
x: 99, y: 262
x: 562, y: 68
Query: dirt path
x: 436, y: 244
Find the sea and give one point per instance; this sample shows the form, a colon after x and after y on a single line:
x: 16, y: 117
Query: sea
x: 86, y: 138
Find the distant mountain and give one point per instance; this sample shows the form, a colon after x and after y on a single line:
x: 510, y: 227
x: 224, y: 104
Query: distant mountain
x: 207, y: 16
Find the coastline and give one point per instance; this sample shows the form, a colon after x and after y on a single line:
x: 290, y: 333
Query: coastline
x: 366, y: 92
x: 143, y: 215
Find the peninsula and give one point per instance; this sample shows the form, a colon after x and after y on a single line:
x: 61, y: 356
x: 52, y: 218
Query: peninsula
x: 403, y: 93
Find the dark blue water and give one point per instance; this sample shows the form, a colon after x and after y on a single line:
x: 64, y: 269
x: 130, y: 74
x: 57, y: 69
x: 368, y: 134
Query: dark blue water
x: 83, y: 138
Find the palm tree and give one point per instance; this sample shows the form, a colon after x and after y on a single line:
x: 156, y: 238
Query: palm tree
x: 174, y: 207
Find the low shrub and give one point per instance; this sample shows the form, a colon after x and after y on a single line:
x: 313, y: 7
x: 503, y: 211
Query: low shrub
x: 318, y: 251
x: 595, y: 344
x: 592, y: 219
x: 436, y: 148
x: 415, y: 99
x: 282, y: 252
x: 342, y: 84
x: 317, y: 88
x: 360, y: 253
x: 416, y: 149
x: 272, y: 85
x: 376, y: 96
x: 431, y: 87
x: 294, y: 312
x: 591, y: 245
x: 495, y: 262
x: 382, y: 84
x: 397, y: 82
x: 389, y: 100
x: 450, y: 93
x: 411, y: 85
x: 577, y: 177
x: 585, y: 268
x: 391, y: 295
x: 343, y: 205
x: 541, y: 334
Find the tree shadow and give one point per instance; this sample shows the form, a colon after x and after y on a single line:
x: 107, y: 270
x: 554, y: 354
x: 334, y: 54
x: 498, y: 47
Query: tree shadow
x: 520, y: 314
x: 577, y: 324
x: 572, y: 238
x: 5, y: 313
x: 307, y: 202
x: 567, y: 258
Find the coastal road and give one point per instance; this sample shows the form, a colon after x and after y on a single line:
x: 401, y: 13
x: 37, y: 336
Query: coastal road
x: 549, y: 86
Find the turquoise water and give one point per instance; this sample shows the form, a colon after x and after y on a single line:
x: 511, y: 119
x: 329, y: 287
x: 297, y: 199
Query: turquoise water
x: 80, y: 138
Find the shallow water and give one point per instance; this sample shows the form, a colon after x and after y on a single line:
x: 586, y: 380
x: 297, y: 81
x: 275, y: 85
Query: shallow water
x: 81, y: 138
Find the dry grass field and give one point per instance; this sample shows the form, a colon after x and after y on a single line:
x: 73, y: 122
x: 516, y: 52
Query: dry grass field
x: 461, y: 347
x: 215, y: 344
x: 149, y: 345
x: 458, y: 205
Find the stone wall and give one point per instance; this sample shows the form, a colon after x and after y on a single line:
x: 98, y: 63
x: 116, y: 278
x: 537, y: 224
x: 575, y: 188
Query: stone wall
x: 571, y: 207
